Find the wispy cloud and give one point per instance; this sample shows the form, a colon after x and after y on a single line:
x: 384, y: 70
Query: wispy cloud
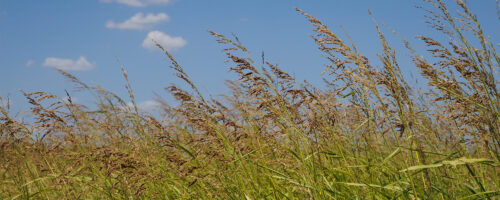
x: 149, y: 105
x: 139, y: 3
x: 30, y: 63
x: 168, y: 42
x: 81, y: 64
x: 140, y: 21
x: 145, y: 106
x: 5, y: 103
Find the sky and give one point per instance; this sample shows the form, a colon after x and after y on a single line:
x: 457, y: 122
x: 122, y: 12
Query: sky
x: 90, y: 38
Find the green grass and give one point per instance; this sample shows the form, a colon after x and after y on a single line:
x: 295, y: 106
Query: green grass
x: 367, y: 135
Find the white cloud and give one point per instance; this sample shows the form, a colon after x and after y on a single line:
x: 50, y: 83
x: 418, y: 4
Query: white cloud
x: 30, y: 63
x: 6, y: 103
x: 149, y: 105
x: 140, y: 21
x: 168, y: 42
x: 139, y: 3
x: 146, y: 106
x: 81, y: 64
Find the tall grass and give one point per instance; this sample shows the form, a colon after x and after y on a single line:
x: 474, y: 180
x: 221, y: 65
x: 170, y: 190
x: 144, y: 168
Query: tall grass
x: 367, y: 135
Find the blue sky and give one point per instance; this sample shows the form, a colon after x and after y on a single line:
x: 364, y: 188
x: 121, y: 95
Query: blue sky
x: 84, y: 36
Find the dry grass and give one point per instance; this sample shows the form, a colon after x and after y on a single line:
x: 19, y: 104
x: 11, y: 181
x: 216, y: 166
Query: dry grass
x: 367, y: 135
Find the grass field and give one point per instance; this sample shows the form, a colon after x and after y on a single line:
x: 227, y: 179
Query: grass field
x: 367, y: 135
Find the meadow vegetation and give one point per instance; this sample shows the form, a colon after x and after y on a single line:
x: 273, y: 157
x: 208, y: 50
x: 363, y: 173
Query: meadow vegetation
x: 367, y: 134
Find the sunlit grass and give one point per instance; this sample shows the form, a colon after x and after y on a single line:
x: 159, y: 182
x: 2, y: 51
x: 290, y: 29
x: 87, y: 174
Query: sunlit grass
x: 367, y: 135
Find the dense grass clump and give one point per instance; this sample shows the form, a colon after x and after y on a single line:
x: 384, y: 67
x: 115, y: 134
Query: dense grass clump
x: 367, y: 135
